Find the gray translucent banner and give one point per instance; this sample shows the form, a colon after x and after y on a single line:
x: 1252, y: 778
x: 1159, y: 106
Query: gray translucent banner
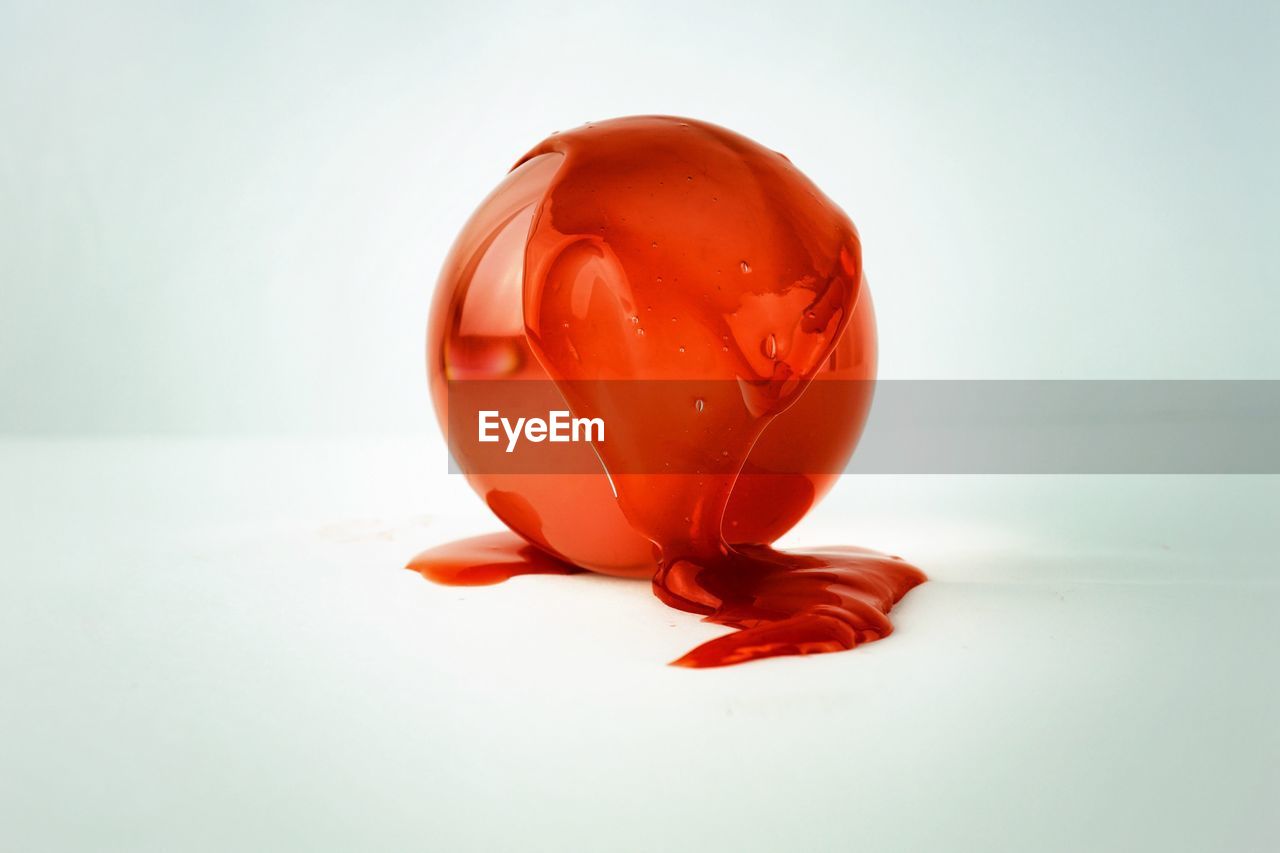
x: 916, y: 426
x: 1072, y: 427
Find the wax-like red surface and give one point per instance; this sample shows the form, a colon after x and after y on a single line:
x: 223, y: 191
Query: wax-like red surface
x: 664, y: 248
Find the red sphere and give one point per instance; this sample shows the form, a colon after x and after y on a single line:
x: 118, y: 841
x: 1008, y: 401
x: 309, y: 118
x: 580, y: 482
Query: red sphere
x: 713, y: 206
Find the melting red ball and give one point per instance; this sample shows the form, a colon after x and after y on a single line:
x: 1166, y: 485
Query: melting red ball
x: 656, y: 248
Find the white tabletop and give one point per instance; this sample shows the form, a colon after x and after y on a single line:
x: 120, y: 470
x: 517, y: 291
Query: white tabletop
x: 211, y: 645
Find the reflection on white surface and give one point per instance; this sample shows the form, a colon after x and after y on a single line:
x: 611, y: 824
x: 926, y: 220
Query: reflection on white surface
x: 210, y: 645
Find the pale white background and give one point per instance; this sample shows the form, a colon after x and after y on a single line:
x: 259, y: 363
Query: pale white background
x: 229, y: 217
x: 219, y: 230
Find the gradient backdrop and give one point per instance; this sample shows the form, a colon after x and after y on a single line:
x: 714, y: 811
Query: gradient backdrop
x: 227, y: 218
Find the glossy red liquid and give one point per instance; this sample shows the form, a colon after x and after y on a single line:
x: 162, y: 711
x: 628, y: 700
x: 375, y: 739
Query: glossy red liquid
x: 662, y: 248
x: 486, y: 560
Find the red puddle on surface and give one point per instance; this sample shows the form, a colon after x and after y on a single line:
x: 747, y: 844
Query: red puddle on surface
x: 486, y: 560
x: 787, y: 603
x: 782, y: 603
x: 663, y: 248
